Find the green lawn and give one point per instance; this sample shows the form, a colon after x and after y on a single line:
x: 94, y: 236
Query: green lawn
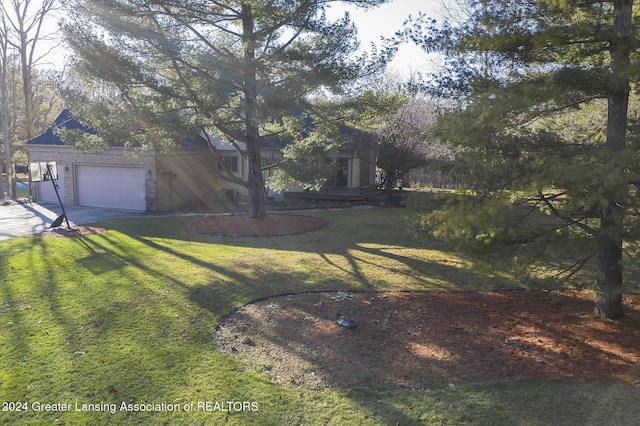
x: 126, y: 317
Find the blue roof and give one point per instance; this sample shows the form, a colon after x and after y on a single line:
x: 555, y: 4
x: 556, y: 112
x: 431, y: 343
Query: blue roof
x: 64, y: 121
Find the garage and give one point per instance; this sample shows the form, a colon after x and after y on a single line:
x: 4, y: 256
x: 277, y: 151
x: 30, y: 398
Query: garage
x: 113, y: 187
x: 46, y: 193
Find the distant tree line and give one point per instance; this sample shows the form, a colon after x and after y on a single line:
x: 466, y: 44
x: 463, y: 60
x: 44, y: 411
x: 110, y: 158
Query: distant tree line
x: 29, y: 96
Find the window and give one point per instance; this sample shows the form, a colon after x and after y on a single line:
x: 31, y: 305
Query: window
x: 231, y: 164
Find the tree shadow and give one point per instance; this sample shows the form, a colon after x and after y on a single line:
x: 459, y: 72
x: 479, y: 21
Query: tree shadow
x: 350, y: 249
x: 348, y: 256
x: 213, y: 297
x: 24, y: 219
x: 64, y: 309
x: 426, y: 341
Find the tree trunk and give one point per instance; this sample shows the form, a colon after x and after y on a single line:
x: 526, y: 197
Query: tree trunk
x: 388, y: 188
x: 609, y: 268
x: 609, y: 276
x: 8, y: 151
x: 27, y: 85
x: 4, y: 114
x: 8, y: 154
x: 255, y: 181
x: 256, y: 190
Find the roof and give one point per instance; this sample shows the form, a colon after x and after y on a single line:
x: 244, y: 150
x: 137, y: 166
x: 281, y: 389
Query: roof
x: 64, y: 121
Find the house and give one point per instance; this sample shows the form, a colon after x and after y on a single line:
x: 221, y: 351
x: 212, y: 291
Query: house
x: 355, y: 170
x: 155, y: 180
x: 150, y: 180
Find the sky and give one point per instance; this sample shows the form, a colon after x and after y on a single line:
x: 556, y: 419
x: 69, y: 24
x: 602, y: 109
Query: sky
x: 382, y: 21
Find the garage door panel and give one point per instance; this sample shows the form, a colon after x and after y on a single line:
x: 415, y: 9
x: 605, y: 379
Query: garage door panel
x: 111, y: 187
x: 47, y: 194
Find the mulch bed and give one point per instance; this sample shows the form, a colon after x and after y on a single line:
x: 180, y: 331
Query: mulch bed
x: 424, y: 341
x: 241, y: 225
x: 75, y: 232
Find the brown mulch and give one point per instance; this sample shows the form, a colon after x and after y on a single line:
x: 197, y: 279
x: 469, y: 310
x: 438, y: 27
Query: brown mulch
x: 75, y: 232
x: 241, y: 225
x: 431, y: 340
x: 425, y: 340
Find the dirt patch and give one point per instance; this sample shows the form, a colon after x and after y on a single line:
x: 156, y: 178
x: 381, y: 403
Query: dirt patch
x: 241, y: 225
x: 425, y: 341
x: 77, y: 231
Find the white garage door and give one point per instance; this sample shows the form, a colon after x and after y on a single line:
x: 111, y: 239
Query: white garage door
x: 111, y: 187
x: 46, y: 193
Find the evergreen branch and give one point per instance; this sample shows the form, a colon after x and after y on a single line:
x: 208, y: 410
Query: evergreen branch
x: 575, y: 268
x: 545, y: 112
x: 196, y: 15
x: 566, y: 219
x: 200, y: 36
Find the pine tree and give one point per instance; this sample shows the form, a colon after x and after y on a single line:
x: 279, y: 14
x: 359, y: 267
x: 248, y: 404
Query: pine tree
x: 543, y: 133
x: 238, y: 69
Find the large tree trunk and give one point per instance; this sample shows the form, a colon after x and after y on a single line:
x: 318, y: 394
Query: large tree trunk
x: 609, y: 273
x: 256, y: 190
x: 255, y: 181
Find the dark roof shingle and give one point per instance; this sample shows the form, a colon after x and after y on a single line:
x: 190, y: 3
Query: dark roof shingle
x: 64, y: 121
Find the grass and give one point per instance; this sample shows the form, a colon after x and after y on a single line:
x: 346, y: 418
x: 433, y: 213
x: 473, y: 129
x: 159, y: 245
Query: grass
x: 128, y: 316
x: 20, y: 193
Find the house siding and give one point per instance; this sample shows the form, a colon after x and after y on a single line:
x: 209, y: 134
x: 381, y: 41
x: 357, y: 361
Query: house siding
x: 69, y: 158
x: 180, y: 178
x: 184, y: 178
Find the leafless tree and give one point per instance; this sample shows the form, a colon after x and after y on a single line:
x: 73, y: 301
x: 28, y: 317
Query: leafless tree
x: 21, y: 30
x: 405, y: 142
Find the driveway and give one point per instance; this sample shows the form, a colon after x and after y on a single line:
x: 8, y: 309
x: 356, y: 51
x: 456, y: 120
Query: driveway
x: 31, y: 218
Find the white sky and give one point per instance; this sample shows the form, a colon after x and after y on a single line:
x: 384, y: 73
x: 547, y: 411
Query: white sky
x: 382, y: 21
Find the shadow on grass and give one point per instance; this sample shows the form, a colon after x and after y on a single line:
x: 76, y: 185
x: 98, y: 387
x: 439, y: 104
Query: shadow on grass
x: 217, y: 298
x: 102, y: 290
x: 74, y: 324
x: 348, y: 252
x: 357, y: 245
x: 514, y: 402
x: 353, y: 257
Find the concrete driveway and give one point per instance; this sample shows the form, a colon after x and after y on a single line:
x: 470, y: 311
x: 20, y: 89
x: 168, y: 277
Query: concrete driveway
x: 31, y: 218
